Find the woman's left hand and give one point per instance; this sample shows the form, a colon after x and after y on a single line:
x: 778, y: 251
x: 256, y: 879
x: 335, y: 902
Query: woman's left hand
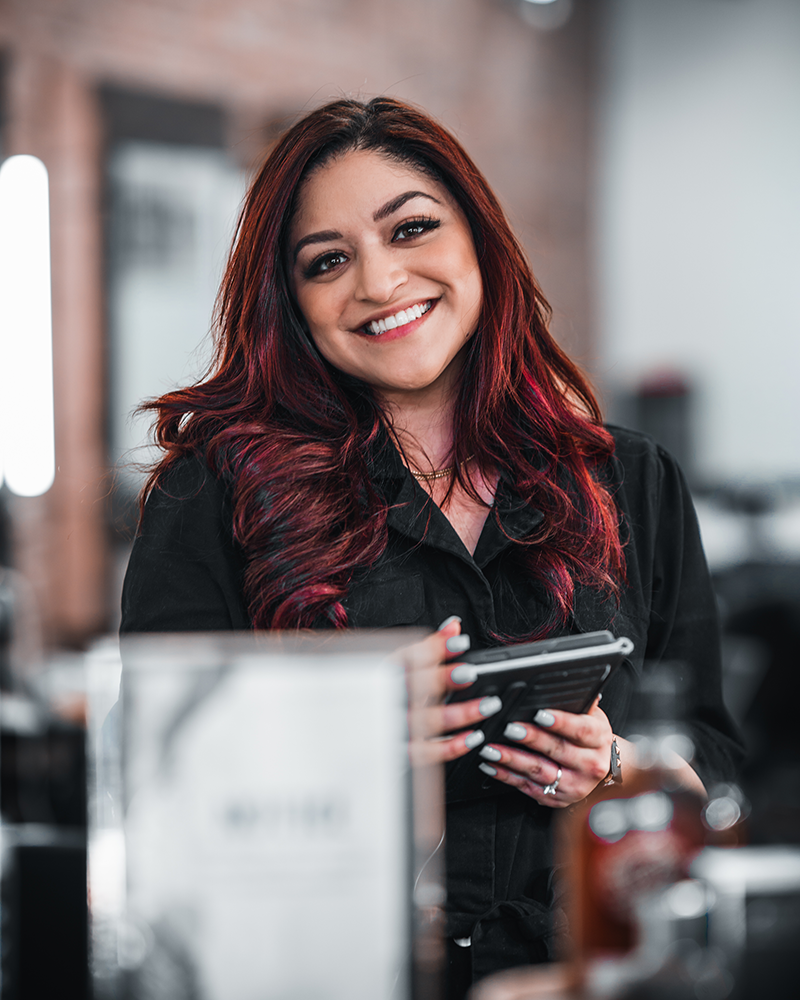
x: 578, y: 747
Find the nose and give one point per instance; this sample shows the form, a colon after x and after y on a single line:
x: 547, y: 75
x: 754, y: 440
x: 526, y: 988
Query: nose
x: 379, y: 275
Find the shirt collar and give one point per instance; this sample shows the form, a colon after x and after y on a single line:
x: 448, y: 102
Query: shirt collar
x: 510, y: 519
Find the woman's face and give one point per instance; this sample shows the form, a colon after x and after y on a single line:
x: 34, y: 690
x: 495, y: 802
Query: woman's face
x: 384, y: 271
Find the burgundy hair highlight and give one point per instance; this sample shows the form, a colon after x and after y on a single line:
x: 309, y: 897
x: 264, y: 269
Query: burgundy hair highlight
x: 292, y: 435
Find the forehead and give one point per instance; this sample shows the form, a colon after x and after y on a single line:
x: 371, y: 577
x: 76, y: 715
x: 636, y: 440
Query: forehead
x: 354, y: 185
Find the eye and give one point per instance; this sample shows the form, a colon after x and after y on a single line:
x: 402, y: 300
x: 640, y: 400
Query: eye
x: 324, y: 264
x: 415, y: 227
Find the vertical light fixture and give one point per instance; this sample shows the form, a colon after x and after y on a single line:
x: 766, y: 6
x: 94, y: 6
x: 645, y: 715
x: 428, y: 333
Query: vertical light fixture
x: 27, y: 449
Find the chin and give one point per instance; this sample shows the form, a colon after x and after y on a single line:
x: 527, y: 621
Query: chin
x: 414, y: 381
x: 409, y: 385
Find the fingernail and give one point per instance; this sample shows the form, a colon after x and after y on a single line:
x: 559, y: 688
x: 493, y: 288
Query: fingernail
x: 463, y: 674
x: 600, y: 697
x: 490, y: 705
x: 491, y: 754
x: 448, y: 621
x: 514, y: 731
x: 488, y: 769
x: 458, y: 644
x: 544, y: 718
x: 474, y: 739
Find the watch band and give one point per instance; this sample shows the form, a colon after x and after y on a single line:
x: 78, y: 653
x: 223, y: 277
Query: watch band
x: 614, y: 776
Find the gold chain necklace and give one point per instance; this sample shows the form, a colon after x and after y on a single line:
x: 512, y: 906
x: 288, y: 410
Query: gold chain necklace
x: 440, y: 473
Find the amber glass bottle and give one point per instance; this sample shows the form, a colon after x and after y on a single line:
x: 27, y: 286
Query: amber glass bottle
x: 629, y: 840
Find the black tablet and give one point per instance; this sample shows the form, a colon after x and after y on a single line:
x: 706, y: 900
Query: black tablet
x: 565, y: 673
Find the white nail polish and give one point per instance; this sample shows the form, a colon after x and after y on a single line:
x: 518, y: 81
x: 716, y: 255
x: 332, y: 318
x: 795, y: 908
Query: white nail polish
x: 488, y: 769
x: 490, y: 705
x: 544, y: 718
x: 448, y: 621
x: 458, y: 643
x: 489, y: 753
x: 463, y: 674
x: 514, y: 731
x: 474, y: 739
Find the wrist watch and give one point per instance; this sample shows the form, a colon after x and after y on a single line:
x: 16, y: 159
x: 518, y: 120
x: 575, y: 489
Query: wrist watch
x: 614, y: 776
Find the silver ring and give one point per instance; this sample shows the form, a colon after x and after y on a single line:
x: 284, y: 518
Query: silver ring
x: 551, y: 789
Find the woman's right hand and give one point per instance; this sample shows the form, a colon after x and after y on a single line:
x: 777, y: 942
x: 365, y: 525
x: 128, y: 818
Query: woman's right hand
x: 433, y: 671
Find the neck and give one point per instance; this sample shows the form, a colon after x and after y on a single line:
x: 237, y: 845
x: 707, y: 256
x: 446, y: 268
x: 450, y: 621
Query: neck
x: 422, y: 423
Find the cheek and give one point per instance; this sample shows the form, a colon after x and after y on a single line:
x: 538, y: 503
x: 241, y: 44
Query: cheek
x: 332, y: 349
x: 464, y: 263
x: 324, y: 343
x: 317, y: 321
x: 473, y: 298
x: 321, y: 311
x: 309, y: 306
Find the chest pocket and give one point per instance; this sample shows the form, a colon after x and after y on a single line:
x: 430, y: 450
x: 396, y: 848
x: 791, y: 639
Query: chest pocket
x: 386, y: 602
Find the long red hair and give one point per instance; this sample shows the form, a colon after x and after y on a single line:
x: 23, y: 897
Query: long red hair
x: 292, y: 435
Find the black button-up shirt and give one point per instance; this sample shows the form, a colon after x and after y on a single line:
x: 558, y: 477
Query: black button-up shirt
x: 186, y: 572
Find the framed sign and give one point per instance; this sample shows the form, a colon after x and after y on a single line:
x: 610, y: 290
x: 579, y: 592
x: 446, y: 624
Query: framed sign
x: 273, y: 834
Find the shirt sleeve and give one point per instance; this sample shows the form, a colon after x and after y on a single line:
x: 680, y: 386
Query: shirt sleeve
x: 185, y: 572
x: 684, y: 624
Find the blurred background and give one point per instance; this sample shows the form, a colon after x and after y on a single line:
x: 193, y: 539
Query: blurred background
x: 646, y: 151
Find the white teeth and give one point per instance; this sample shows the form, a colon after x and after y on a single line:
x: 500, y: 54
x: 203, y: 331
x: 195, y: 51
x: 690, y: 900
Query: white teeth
x: 378, y: 326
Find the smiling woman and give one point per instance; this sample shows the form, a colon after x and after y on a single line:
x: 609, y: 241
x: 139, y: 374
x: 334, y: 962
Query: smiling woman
x: 390, y: 291
x: 391, y: 436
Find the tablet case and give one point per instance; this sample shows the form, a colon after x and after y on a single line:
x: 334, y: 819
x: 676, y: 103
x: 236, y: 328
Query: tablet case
x: 565, y: 673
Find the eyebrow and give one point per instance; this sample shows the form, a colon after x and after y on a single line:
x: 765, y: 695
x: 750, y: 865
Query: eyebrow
x: 327, y: 235
x: 398, y: 202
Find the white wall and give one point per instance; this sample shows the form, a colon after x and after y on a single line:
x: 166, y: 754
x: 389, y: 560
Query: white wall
x: 698, y: 218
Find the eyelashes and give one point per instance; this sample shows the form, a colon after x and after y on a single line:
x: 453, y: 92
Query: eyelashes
x: 323, y: 264
x: 415, y: 227
x: 408, y: 230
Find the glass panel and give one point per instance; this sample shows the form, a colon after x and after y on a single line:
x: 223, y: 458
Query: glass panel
x: 255, y: 841
x: 173, y: 210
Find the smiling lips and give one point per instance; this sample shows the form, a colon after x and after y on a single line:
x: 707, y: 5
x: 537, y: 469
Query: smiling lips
x: 378, y: 326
